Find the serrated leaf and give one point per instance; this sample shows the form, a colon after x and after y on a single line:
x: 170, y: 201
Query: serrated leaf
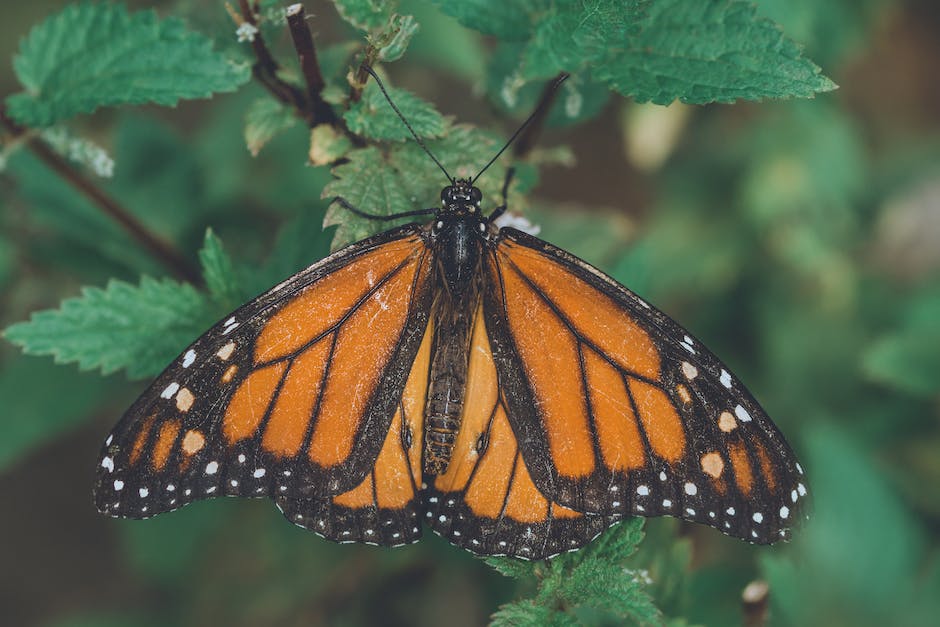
x: 394, y: 40
x: 219, y: 273
x: 94, y: 55
x: 266, y: 118
x: 701, y: 51
x: 367, y: 183
x: 526, y: 613
x: 575, y: 34
x: 366, y: 15
x: 509, y: 20
x: 327, y: 145
x: 139, y: 328
x: 374, y: 118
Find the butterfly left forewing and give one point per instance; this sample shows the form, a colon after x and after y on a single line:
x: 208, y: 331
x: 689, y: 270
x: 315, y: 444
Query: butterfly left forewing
x: 291, y: 396
x: 622, y: 411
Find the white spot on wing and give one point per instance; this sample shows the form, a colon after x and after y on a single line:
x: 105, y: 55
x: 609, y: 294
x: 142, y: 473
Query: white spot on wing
x: 108, y: 463
x: 212, y: 468
x: 170, y: 390
x: 725, y: 378
x: 642, y: 490
x: 691, y: 489
x: 189, y: 358
x: 118, y: 485
x: 742, y: 414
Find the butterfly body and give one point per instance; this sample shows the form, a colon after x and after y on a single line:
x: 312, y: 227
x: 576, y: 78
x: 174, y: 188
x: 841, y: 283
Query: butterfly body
x: 511, y: 396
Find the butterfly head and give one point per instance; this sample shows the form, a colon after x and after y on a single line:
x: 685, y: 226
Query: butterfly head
x: 461, y: 198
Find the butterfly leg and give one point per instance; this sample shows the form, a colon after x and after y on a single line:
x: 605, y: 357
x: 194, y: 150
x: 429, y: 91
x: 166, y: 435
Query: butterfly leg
x: 376, y: 216
x: 500, y: 210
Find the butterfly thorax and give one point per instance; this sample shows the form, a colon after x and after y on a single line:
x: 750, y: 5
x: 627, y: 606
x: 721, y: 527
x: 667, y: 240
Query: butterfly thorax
x: 457, y: 239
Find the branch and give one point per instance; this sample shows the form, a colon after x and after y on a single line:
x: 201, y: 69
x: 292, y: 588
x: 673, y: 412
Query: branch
x: 265, y: 67
x: 156, y: 246
x: 307, y: 55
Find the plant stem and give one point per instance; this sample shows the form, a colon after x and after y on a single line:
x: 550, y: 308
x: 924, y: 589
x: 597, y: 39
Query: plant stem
x: 529, y: 137
x: 307, y: 55
x: 156, y: 246
x: 265, y: 68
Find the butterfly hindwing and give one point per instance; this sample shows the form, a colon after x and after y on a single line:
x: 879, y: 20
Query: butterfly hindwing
x: 622, y: 411
x: 384, y: 507
x: 486, y: 501
x: 292, y: 396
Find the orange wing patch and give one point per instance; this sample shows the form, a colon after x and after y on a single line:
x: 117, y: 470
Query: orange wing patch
x: 487, y: 486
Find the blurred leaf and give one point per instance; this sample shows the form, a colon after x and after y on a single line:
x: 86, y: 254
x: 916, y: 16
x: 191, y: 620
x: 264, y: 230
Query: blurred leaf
x: 372, y: 117
x: 266, y: 118
x: 137, y: 328
x: 443, y: 43
x: 702, y: 51
x: 93, y: 55
x: 366, y: 14
x: 856, y: 560
x: 109, y: 619
x: 328, y: 145
x: 579, y: 99
x: 509, y: 19
x: 219, y: 273
x: 33, y: 390
x: 908, y: 358
x: 393, y: 42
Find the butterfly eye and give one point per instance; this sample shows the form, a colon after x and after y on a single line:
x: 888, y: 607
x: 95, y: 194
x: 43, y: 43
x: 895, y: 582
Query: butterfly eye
x: 476, y: 195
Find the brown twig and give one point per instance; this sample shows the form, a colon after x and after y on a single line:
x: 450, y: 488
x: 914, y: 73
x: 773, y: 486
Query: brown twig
x: 160, y: 249
x: 265, y: 67
x: 307, y: 55
x: 529, y: 137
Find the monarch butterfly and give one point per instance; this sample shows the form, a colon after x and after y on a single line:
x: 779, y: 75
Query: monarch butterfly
x: 512, y: 397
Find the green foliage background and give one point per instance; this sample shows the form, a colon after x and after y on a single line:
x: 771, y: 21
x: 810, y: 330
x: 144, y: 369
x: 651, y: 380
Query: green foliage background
x: 800, y: 239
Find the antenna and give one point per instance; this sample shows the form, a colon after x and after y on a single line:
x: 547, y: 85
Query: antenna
x: 378, y: 81
x: 538, y: 110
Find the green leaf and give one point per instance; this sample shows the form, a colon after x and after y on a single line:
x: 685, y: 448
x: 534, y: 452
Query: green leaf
x: 266, y: 119
x: 219, y: 273
x: 372, y: 117
x: 575, y: 34
x: 907, y: 358
x: 93, y: 55
x: 328, y: 145
x: 366, y: 15
x: 137, y: 328
x: 37, y: 416
x: 394, y: 40
x: 508, y: 20
x: 595, y: 577
x: 702, y: 51
x: 366, y: 182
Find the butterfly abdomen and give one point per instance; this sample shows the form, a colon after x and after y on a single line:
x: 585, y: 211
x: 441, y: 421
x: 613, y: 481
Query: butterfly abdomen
x: 458, y: 253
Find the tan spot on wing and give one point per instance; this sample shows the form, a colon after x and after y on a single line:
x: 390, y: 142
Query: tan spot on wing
x: 226, y: 351
x: 229, y: 373
x: 689, y: 370
x: 184, y: 399
x: 712, y: 464
x: 727, y: 422
x: 193, y: 442
x: 683, y: 393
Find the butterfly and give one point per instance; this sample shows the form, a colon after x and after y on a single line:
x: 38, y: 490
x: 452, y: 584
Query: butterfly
x: 461, y: 376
